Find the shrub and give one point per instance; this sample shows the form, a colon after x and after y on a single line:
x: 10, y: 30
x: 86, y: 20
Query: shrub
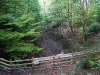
x: 86, y: 63
x: 98, y: 65
x: 93, y: 28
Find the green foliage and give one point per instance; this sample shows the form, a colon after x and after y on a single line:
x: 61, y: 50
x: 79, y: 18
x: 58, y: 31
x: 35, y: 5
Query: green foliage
x: 18, y: 27
x: 98, y: 65
x: 94, y: 28
x: 8, y: 35
x: 18, y: 41
x: 92, y: 12
x: 79, y: 69
x: 22, y: 47
x: 90, y: 61
x: 98, y: 15
x: 86, y: 63
x: 91, y: 29
x: 21, y: 21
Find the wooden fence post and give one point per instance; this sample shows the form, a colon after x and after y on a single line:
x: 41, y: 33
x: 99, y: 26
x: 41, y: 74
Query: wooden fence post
x: 10, y: 64
x: 32, y: 60
x: 10, y: 67
x: 32, y: 66
x: 72, y: 59
x: 53, y: 61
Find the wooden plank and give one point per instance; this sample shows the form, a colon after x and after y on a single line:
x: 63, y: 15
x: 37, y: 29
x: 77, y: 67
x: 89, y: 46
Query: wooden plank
x: 25, y: 60
x: 5, y: 64
x: 4, y: 60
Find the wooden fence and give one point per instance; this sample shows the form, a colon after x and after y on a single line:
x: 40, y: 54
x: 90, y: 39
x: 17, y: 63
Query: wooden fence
x: 61, y: 64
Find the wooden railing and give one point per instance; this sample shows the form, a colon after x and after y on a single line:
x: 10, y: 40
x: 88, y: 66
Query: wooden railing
x: 33, y: 61
x: 52, y: 65
x: 36, y: 61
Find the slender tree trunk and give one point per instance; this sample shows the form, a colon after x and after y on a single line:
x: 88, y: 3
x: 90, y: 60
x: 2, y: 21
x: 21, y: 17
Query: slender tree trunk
x: 70, y: 8
x: 83, y: 14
